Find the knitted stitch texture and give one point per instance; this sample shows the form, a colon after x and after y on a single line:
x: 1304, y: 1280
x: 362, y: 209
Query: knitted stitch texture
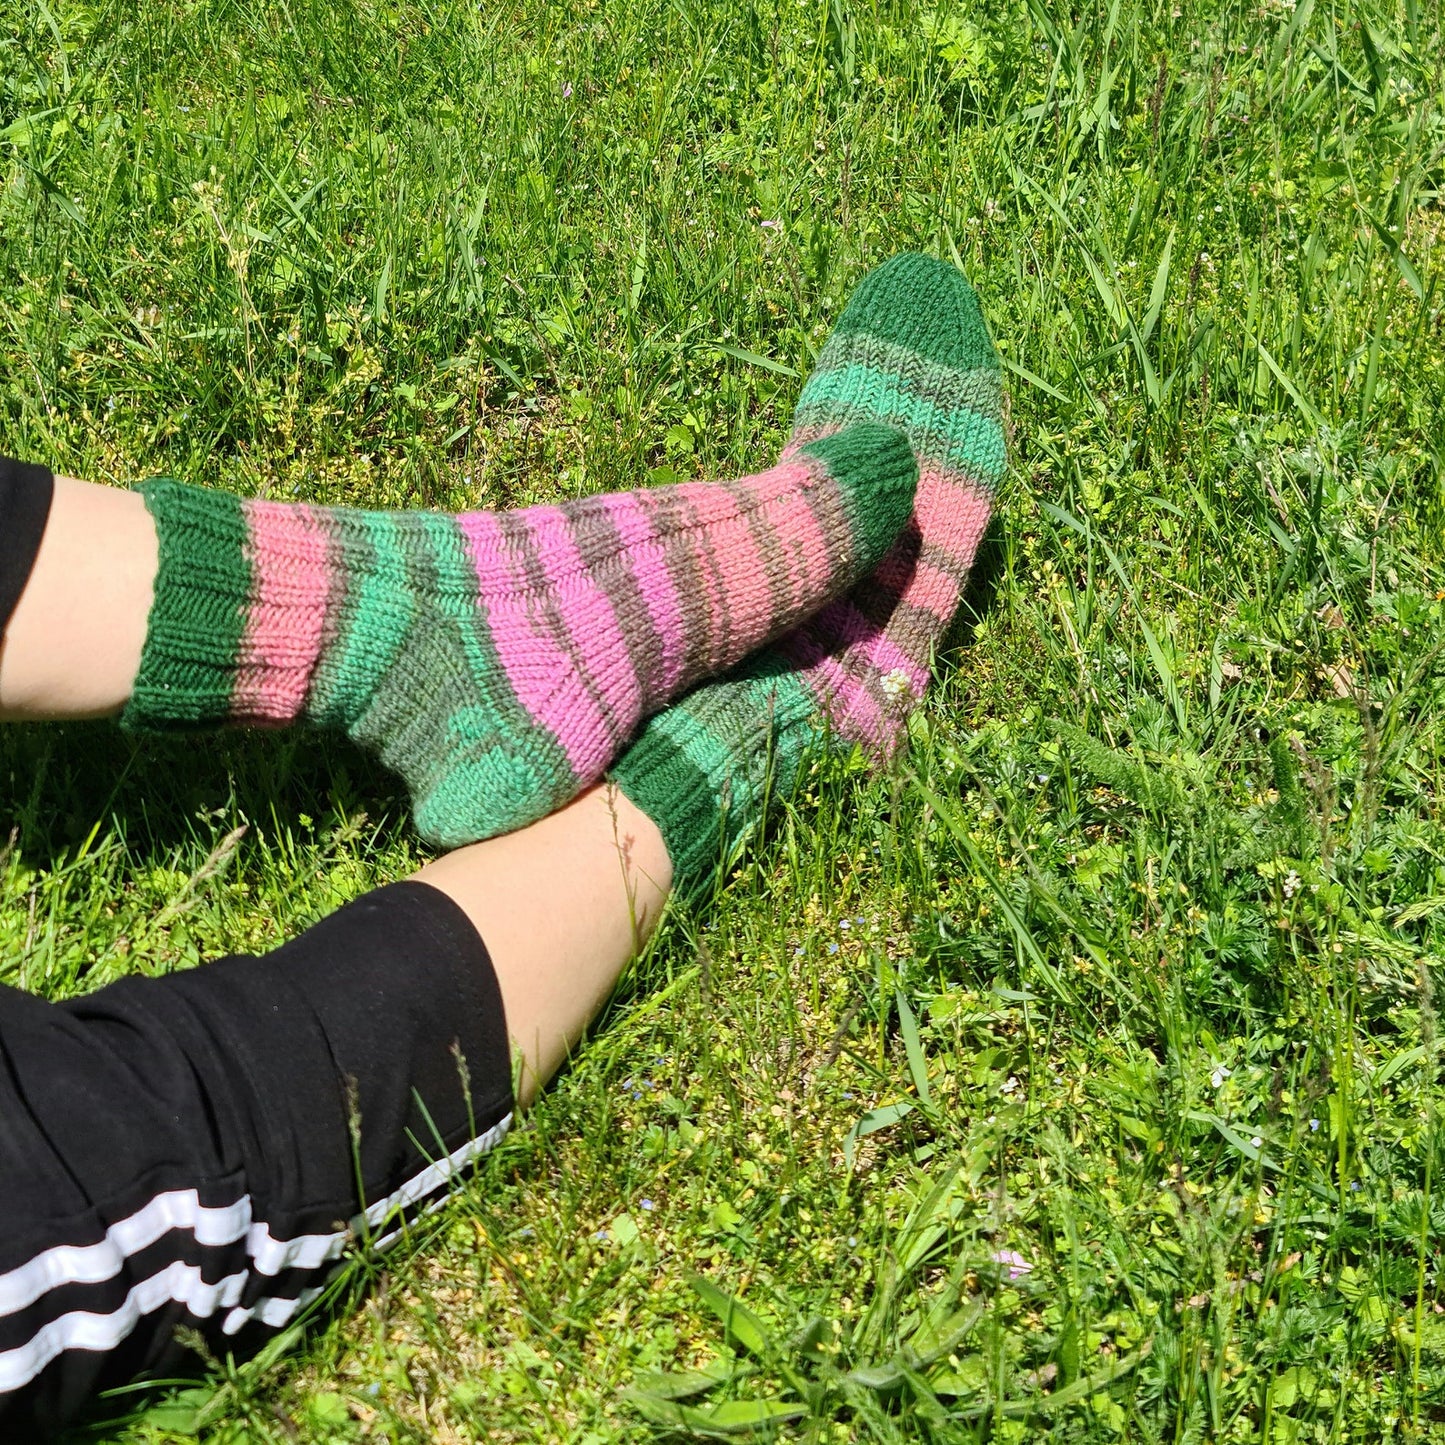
x: 911, y: 350
x: 497, y: 661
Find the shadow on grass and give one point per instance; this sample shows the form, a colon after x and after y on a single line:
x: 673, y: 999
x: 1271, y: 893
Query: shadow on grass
x: 59, y: 783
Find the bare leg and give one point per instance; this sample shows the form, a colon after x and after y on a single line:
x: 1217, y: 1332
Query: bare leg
x: 562, y: 906
x: 73, y: 647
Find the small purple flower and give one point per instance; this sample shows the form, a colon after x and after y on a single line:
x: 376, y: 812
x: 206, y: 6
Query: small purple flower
x: 1013, y: 1261
x: 832, y: 948
x: 772, y: 225
x: 648, y: 1204
x: 567, y: 90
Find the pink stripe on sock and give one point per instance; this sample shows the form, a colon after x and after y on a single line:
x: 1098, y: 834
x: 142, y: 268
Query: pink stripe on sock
x: 815, y: 649
x: 541, y: 669
x: 499, y: 568
x: 841, y: 646
x: 952, y: 512
x: 716, y: 509
x: 735, y: 570
x: 861, y: 646
x: 595, y: 634
x: 287, y: 548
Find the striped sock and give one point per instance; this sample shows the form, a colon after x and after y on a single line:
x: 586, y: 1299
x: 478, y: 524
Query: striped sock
x: 498, y: 660
x: 911, y: 350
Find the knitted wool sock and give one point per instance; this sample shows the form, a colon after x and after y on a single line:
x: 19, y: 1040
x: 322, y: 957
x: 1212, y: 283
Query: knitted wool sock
x: 910, y: 350
x: 498, y: 660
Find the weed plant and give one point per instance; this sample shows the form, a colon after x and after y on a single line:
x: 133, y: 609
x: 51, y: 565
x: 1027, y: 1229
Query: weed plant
x: 1081, y: 1077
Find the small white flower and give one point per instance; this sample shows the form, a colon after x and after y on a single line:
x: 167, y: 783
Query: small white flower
x: 1256, y: 1142
x: 895, y: 684
x: 1291, y: 883
x: 1218, y: 1077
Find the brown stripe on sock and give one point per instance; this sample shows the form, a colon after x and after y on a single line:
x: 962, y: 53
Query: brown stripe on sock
x: 978, y: 389
x: 675, y: 523
x: 830, y: 511
x: 600, y: 546
x: 914, y: 630
x: 877, y: 595
x: 704, y: 549
x: 775, y: 565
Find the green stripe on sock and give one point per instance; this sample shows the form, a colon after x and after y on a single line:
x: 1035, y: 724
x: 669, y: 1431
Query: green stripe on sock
x: 484, y: 741
x: 939, y: 432
x: 378, y: 615
x: 198, y: 614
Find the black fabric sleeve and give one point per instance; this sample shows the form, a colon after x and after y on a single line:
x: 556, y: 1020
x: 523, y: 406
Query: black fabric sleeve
x: 26, y: 491
x: 201, y: 1149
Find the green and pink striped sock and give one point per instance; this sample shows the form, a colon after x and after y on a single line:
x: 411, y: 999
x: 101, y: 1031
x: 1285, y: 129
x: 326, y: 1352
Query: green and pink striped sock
x: 498, y: 661
x: 911, y: 350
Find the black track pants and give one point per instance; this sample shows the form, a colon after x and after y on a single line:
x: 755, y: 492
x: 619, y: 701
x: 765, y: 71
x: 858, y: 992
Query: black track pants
x: 200, y: 1149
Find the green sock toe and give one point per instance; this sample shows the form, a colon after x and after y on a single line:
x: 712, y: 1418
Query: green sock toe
x: 877, y: 475
x: 922, y: 304
x: 911, y: 350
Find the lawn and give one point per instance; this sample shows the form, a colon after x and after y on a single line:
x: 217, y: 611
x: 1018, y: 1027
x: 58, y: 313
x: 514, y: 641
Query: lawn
x: 1080, y: 1078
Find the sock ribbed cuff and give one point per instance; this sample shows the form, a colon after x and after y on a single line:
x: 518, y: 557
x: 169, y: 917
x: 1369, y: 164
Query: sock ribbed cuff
x: 706, y: 769
x: 198, y: 613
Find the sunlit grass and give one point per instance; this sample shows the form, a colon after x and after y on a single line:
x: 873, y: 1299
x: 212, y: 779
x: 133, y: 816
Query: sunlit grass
x: 1079, y: 1077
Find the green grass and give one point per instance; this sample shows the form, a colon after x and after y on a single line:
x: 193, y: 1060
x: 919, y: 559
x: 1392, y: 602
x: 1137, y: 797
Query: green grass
x: 1127, y: 969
